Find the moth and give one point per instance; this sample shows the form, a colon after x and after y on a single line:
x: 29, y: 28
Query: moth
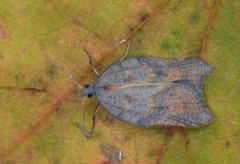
x: 148, y: 91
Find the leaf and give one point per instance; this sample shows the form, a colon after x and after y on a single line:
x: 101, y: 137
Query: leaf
x: 41, y: 47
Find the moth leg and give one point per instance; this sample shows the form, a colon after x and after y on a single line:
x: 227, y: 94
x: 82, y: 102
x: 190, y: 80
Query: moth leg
x: 127, y: 50
x: 94, y: 118
x: 85, y: 132
x: 91, y: 62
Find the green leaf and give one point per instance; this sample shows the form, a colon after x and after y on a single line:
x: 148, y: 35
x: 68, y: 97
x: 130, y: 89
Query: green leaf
x: 41, y: 48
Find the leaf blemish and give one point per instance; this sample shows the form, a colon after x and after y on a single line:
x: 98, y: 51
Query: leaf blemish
x: 3, y: 32
x: 144, y: 17
x: 76, y: 21
x: 194, y: 17
x: 227, y: 143
x: 52, y: 71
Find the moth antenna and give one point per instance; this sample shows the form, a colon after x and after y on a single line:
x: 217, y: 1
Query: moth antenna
x: 91, y: 62
x: 71, y: 79
x: 68, y: 76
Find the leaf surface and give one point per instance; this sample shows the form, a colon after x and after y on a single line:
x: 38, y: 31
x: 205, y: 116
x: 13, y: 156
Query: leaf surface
x: 41, y: 46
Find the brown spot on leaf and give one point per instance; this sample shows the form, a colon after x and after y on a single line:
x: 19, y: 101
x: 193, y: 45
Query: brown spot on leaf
x: 108, y: 120
x: 119, y: 137
x: 143, y: 2
x: 3, y: 32
x: 131, y: 29
x: 237, y: 158
x: 1, y: 56
x: 144, y: 20
x: 205, y: 3
x: 144, y: 17
x: 52, y: 71
x: 104, y: 161
x: 76, y: 21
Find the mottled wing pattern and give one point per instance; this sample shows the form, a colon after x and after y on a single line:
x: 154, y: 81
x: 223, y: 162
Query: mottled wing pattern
x: 127, y: 104
x: 131, y: 104
x: 183, y: 105
x: 121, y: 73
x: 169, y: 70
x: 146, y: 91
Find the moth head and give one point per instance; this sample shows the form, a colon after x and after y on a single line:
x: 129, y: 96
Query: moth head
x: 88, y: 90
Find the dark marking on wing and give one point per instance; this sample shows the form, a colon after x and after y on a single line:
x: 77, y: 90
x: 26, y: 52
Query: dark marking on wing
x: 184, y: 109
x: 169, y: 70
